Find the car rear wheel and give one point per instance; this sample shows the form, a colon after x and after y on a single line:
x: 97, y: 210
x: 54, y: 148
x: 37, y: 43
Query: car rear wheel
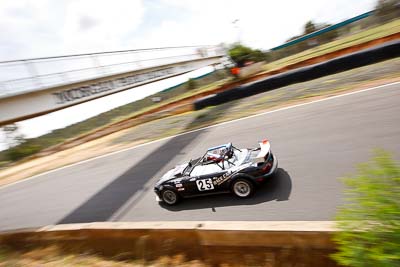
x: 242, y: 188
x: 169, y: 197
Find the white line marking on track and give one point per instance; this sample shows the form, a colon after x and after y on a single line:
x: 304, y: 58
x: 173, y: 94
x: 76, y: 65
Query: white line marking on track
x: 208, y: 127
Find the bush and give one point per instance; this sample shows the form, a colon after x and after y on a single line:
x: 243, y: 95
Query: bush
x: 191, y: 84
x: 387, y: 10
x: 22, y: 151
x: 369, y: 222
x: 241, y: 54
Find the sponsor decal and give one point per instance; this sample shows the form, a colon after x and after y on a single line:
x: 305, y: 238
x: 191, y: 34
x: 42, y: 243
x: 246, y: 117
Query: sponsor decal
x: 181, y: 189
x: 178, y: 185
x: 221, y: 179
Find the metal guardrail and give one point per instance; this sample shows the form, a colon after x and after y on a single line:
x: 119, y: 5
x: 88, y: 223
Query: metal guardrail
x: 18, y: 76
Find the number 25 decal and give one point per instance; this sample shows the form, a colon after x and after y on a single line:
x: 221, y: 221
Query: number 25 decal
x: 204, y: 185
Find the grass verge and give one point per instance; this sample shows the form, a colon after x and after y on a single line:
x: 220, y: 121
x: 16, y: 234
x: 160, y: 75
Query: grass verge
x: 368, y: 76
x: 348, y: 41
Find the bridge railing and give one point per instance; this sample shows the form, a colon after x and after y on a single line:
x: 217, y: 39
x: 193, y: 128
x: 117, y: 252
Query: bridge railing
x: 19, y: 76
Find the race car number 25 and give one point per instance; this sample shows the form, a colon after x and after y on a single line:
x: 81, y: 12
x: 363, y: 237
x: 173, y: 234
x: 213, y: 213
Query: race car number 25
x: 205, y: 184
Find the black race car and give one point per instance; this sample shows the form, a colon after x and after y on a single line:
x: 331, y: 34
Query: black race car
x: 223, y: 168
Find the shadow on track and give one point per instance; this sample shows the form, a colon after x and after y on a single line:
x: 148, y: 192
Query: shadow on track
x: 105, y: 203
x: 102, y: 205
x: 278, y: 188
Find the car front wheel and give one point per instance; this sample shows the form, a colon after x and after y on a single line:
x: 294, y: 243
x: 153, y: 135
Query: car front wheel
x: 169, y: 197
x: 242, y: 188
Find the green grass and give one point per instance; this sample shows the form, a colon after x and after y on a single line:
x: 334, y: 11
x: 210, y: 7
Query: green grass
x: 354, y: 39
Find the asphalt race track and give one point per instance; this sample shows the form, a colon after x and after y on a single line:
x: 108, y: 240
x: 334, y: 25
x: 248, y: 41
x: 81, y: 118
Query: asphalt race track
x: 315, y: 144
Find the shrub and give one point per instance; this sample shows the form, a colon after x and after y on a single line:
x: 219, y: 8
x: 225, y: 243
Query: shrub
x: 191, y: 84
x: 240, y: 54
x: 22, y: 151
x: 369, y: 222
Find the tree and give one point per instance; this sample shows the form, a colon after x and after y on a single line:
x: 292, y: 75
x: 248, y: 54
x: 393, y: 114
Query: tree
x: 191, y: 84
x: 18, y: 146
x: 241, y: 54
x: 12, y: 135
x: 309, y: 27
x: 387, y: 9
x: 369, y: 222
x: 23, y: 150
x: 327, y: 36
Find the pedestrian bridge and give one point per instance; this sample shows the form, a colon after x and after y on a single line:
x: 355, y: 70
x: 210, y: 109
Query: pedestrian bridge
x: 33, y: 87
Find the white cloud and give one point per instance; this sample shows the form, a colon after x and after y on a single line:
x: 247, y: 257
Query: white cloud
x: 33, y: 28
x: 26, y: 28
x: 93, y: 26
x: 262, y: 24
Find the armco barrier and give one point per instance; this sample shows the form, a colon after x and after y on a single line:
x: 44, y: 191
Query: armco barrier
x: 365, y: 57
x: 236, y: 243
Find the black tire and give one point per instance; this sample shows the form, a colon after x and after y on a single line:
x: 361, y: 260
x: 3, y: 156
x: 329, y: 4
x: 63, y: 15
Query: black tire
x: 242, y: 188
x: 169, y: 197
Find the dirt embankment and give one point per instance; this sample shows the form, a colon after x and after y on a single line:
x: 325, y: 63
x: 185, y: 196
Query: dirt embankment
x: 185, y: 104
